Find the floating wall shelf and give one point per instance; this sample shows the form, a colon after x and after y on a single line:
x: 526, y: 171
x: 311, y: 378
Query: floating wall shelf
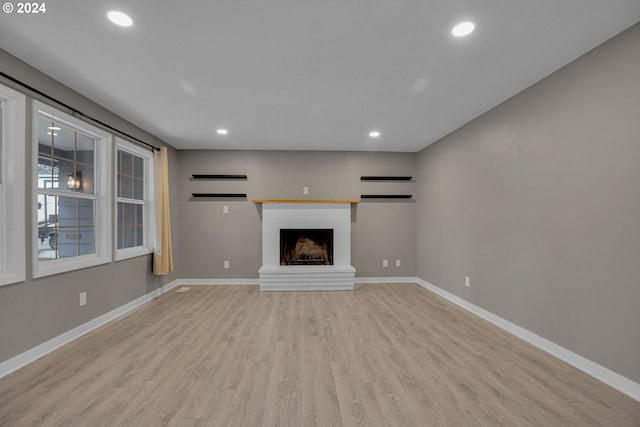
x: 210, y: 176
x: 386, y: 196
x: 213, y: 195
x: 385, y: 178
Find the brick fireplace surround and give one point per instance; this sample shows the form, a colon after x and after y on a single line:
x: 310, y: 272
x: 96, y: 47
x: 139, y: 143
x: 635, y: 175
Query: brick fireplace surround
x: 286, y: 214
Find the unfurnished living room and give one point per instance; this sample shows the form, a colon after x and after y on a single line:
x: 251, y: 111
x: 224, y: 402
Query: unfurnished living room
x: 411, y: 213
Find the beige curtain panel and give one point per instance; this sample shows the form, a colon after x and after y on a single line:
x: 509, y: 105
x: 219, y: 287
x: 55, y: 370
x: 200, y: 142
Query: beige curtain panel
x: 163, y: 254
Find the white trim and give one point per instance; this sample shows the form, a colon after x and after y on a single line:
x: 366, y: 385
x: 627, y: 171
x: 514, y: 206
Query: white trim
x: 41, y: 350
x: 254, y: 281
x: 127, y: 253
x: 102, y: 195
x: 277, y: 216
x: 373, y: 280
x: 148, y: 202
x: 219, y: 282
x: 12, y: 221
x: 307, y: 277
x: 599, y: 372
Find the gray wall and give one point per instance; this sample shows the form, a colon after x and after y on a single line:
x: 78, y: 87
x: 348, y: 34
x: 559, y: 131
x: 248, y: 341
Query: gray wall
x: 538, y: 201
x: 380, y: 230
x: 37, y: 310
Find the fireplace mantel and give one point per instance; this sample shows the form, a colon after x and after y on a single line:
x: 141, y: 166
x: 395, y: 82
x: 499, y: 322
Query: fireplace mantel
x: 306, y: 214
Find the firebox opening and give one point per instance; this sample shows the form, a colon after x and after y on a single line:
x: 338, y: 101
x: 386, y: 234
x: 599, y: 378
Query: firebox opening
x: 306, y: 246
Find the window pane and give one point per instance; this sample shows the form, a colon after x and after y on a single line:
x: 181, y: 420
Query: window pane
x: 126, y: 187
x: 130, y: 225
x: 64, y: 171
x: 47, y: 227
x: 120, y: 227
x: 140, y: 234
x: 63, y: 141
x: 88, y: 175
x: 85, y: 150
x: 47, y: 173
x: 86, y: 227
x: 53, y: 140
x: 126, y: 163
x: 67, y: 232
x: 67, y: 244
x: 138, y: 167
x: 138, y: 189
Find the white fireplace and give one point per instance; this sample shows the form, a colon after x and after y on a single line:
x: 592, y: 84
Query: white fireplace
x: 306, y: 215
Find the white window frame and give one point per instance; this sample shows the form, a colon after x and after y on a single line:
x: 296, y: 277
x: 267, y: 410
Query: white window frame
x: 12, y: 194
x: 148, y: 202
x: 102, y: 186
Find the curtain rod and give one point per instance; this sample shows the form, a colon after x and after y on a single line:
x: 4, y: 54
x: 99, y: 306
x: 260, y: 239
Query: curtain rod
x: 75, y: 111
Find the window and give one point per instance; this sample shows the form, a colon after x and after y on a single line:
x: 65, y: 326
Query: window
x: 72, y: 193
x: 12, y: 140
x: 134, y: 200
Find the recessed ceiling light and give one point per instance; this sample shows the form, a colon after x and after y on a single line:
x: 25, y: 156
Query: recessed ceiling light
x: 374, y: 134
x: 463, y: 29
x: 120, y: 18
x: 222, y: 131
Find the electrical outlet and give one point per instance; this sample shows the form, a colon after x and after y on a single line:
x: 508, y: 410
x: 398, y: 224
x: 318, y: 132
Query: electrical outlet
x: 397, y: 263
x: 467, y: 281
x: 385, y: 263
x: 305, y: 190
x: 225, y: 209
x: 226, y: 264
x: 83, y: 298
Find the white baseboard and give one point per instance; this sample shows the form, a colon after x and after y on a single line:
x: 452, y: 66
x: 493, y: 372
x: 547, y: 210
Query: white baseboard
x: 599, y: 372
x: 371, y: 280
x: 43, y: 349
x: 256, y: 281
x: 219, y: 281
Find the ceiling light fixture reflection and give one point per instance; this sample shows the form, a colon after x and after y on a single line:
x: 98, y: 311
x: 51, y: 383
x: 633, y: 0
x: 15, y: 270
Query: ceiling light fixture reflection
x: 54, y: 134
x: 120, y: 18
x: 374, y: 134
x: 222, y: 132
x: 463, y: 29
x: 54, y: 128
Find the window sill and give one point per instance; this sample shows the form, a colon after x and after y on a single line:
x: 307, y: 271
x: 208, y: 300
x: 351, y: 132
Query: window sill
x: 122, y: 254
x: 9, y: 279
x: 48, y: 268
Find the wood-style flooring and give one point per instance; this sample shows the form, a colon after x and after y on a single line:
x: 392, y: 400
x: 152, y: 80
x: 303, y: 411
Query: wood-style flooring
x: 383, y: 355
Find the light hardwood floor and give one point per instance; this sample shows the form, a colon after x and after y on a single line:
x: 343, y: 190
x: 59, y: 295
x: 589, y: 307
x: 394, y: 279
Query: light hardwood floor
x: 382, y: 355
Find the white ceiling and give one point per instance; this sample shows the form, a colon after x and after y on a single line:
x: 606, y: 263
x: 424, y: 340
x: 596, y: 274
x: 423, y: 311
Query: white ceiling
x: 307, y: 75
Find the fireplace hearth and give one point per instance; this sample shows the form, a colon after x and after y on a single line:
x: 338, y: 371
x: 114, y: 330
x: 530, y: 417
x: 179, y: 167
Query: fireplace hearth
x: 306, y: 246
